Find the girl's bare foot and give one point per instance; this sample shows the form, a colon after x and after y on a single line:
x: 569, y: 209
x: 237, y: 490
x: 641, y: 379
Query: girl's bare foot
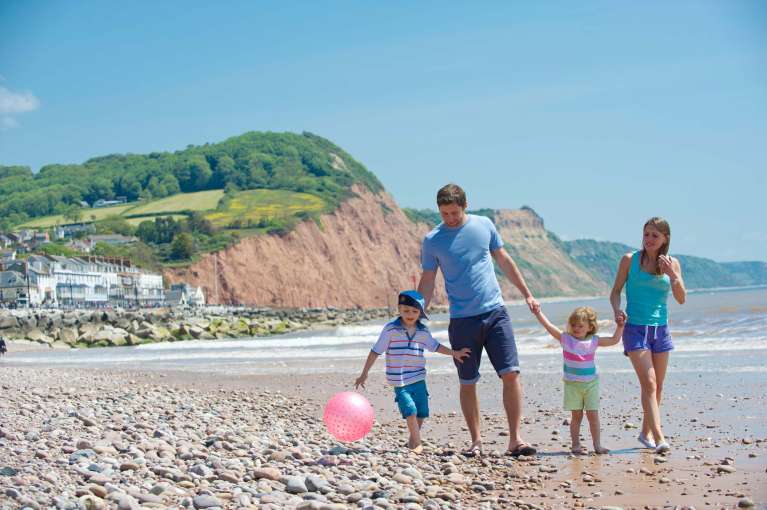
x: 600, y: 450
x: 578, y: 450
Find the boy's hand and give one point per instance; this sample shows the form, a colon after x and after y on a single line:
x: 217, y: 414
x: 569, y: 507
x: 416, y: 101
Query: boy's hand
x: 463, y: 353
x: 360, y: 381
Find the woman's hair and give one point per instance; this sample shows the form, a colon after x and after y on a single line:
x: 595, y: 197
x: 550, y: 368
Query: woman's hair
x: 663, y: 228
x: 451, y: 194
x: 584, y: 314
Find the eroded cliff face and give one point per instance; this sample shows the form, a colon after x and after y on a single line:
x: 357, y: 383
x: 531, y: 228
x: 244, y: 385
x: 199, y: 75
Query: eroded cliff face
x: 362, y: 255
x: 546, y: 266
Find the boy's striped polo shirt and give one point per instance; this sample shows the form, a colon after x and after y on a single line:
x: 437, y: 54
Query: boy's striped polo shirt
x: 405, y: 362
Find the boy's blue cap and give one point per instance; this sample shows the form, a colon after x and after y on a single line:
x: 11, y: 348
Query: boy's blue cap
x: 415, y: 299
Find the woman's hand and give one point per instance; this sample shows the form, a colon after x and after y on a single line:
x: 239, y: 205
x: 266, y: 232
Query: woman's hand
x: 667, y: 266
x: 620, y: 317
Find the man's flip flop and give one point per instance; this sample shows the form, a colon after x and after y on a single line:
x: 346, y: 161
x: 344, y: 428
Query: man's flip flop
x: 522, y: 449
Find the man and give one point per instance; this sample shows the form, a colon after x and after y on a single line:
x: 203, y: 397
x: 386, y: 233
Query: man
x: 464, y: 246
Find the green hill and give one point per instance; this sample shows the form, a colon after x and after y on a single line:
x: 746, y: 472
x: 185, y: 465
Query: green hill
x: 302, y: 163
x: 192, y: 201
x: 601, y: 259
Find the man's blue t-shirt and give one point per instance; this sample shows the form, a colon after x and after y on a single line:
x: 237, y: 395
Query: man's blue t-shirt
x: 463, y: 254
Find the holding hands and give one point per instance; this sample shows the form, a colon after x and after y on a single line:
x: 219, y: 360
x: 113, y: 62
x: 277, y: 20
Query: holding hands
x: 533, y: 304
x: 620, y: 317
x: 460, y: 355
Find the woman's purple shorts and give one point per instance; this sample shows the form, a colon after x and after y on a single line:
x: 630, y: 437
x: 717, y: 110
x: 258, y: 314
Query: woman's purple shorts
x: 653, y: 338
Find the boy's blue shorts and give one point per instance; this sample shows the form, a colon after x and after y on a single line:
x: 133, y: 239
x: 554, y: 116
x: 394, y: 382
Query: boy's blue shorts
x: 490, y: 331
x: 413, y: 399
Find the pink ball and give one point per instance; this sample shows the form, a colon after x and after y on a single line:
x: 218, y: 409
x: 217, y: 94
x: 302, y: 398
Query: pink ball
x: 348, y: 416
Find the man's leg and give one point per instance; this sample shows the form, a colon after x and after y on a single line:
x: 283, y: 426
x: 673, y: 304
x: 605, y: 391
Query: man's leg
x: 512, y: 402
x: 502, y: 351
x: 470, y: 409
x: 464, y: 332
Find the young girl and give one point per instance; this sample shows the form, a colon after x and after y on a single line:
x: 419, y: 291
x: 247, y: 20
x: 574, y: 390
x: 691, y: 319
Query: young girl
x: 579, y: 345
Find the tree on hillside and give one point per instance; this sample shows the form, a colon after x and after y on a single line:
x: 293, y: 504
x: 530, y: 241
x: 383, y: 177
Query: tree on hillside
x: 182, y: 247
x: 73, y: 214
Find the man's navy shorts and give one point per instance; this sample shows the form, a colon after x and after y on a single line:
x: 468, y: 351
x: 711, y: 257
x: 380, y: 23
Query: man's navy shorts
x: 490, y: 331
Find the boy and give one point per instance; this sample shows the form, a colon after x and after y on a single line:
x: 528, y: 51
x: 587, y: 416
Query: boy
x: 404, y: 340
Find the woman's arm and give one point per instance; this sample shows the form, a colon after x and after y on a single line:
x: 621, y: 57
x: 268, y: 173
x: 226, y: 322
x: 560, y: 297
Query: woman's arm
x: 673, y: 269
x: 620, y: 280
x: 548, y: 326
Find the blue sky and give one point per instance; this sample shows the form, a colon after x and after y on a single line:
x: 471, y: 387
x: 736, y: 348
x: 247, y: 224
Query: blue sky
x: 596, y: 114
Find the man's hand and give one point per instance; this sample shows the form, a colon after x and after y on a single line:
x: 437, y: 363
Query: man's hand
x: 533, y: 304
x: 360, y: 381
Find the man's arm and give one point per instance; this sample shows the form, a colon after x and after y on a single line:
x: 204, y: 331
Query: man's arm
x: 510, y: 269
x: 426, y: 285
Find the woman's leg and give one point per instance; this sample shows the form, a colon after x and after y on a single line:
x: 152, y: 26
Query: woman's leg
x: 643, y: 366
x: 660, y: 363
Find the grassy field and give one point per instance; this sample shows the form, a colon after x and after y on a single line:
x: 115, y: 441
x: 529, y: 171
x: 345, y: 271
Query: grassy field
x: 246, y: 206
x: 260, y: 204
x: 199, y: 201
x: 135, y: 221
x: 87, y: 216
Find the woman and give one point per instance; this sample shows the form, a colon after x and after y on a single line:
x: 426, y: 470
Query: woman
x: 649, y: 274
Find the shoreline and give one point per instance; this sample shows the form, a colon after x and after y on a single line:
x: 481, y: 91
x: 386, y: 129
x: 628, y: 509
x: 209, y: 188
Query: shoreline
x: 105, y: 328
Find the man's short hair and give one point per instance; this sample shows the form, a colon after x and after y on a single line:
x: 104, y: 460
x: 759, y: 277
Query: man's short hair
x: 451, y: 194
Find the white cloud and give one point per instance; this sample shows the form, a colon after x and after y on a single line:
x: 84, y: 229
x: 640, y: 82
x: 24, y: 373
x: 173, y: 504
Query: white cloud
x: 17, y: 102
x: 13, y: 103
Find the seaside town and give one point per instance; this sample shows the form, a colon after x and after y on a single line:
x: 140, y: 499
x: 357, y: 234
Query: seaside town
x: 29, y: 278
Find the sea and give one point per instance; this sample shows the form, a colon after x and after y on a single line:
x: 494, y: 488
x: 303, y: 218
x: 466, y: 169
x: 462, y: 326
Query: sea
x: 715, y: 330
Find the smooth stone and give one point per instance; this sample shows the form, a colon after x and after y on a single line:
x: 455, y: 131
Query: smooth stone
x: 206, y: 501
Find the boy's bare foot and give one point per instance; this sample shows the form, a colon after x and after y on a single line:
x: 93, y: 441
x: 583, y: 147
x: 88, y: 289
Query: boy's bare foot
x: 474, y: 449
x: 579, y: 450
x: 600, y: 450
x: 418, y: 450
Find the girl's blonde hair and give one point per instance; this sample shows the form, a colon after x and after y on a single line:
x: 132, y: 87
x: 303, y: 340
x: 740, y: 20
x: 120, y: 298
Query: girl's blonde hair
x: 584, y: 314
x: 663, y: 227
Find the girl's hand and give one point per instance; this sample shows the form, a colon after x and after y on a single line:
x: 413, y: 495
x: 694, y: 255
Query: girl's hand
x: 620, y: 317
x: 666, y: 266
x: 533, y: 304
x: 463, y: 353
x: 360, y: 381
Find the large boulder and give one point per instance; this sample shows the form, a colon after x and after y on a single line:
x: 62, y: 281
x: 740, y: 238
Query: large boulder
x: 68, y: 335
x: 8, y: 321
x: 36, y: 335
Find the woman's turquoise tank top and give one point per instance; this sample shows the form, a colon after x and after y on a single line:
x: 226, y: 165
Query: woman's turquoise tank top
x: 646, y: 295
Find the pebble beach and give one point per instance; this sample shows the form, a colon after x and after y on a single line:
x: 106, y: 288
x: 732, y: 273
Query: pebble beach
x: 96, y: 439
